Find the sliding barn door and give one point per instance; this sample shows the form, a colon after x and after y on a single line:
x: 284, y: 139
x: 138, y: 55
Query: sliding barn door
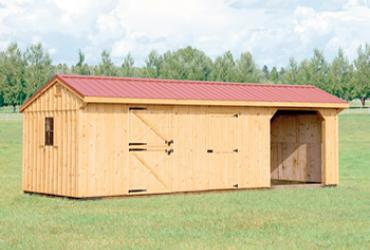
x: 222, y: 150
x: 150, y: 149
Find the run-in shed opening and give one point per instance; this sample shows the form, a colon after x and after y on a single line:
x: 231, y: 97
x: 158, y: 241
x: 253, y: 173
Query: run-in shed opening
x: 296, y: 147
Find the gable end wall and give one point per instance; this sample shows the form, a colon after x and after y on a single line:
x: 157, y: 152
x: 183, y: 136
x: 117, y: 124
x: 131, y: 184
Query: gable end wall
x: 51, y: 169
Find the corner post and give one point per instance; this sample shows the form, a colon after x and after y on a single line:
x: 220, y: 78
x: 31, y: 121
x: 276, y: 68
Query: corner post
x: 329, y: 150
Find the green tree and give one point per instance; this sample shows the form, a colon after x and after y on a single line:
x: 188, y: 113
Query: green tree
x: 81, y: 67
x: 246, y: 69
x: 106, y: 66
x: 128, y: 65
x: 187, y: 63
x: 265, y: 73
x: 282, y: 73
x: 224, y: 68
x: 304, y: 75
x: 340, y: 77
x: 153, y: 64
x: 361, y: 79
x: 319, y: 70
x: 12, y: 76
x: 274, y: 75
x: 61, y: 68
x: 39, y: 68
x: 291, y: 73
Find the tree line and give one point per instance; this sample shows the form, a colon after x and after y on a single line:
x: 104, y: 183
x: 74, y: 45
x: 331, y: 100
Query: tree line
x: 23, y: 72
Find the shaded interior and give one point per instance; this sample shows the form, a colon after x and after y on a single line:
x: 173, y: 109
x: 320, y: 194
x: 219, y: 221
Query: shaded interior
x: 296, y: 146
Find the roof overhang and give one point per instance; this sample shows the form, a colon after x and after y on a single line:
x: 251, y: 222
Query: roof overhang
x: 214, y: 103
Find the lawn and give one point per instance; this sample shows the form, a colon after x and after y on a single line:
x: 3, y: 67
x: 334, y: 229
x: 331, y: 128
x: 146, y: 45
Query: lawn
x: 285, y: 218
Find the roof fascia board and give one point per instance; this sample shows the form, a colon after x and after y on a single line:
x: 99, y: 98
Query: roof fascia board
x: 214, y: 102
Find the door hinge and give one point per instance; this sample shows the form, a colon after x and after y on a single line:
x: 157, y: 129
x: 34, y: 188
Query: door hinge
x: 137, y: 108
x: 236, y: 150
x: 209, y: 151
x: 236, y: 186
x: 136, y: 190
x: 137, y: 143
x: 136, y: 149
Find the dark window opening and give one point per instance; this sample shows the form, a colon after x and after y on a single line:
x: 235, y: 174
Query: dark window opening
x: 49, y: 131
x: 58, y: 91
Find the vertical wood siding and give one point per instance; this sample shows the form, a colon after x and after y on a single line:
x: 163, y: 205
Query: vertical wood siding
x: 238, y: 137
x: 103, y: 151
x: 296, y: 147
x: 330, y: 174
x: 212, y: 148
x: 255, y: 147
x: 51, y: 169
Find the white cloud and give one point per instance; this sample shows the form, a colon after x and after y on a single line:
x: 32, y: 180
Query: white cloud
x: 272, y: 30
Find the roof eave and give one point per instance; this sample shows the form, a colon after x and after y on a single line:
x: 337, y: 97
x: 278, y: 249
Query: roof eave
x: 90, y: 99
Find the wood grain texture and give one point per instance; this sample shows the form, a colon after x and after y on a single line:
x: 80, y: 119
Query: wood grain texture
x: 330, y: 173
x: 255, y: 144
x: 51, y: 169
x: 238, y: 138
x: 296, y: 147
x: 102, y: 150
x: 214, y: 147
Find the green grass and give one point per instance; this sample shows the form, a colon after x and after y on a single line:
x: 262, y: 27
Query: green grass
x: 336, y: 218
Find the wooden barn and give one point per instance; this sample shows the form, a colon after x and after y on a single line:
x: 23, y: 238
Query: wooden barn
x: 89, y: 136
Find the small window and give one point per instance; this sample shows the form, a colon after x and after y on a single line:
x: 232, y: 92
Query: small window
x: 49, y: 131
x: 58, y: 90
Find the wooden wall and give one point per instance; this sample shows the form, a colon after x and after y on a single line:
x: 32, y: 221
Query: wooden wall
x: 103, y: 150
x: 238, y: 137
x: 296, y: 146
x: 51, y: 169
x: 197, y: 130
x: 330, y: 136
x: 255, y: 136
x: 173, y: 148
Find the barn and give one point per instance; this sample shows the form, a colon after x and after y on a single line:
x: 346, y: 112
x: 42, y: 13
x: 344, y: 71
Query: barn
x: 93, y: 136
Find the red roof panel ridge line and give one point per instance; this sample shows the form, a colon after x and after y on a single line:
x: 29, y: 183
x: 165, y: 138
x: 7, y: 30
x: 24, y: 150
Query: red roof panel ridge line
x: 173, y: 81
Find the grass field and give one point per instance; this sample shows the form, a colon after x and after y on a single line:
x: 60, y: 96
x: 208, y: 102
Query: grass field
x: 336, y: 218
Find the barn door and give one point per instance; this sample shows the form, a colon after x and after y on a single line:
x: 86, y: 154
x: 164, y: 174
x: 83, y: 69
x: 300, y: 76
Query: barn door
x: 222, y: 150
x: 150, y: 149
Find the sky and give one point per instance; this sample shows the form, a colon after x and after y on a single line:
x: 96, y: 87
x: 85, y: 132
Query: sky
x: 272, y: 30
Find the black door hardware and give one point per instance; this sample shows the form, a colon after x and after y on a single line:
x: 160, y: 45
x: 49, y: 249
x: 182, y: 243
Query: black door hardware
x: 137, y: 108
x: 136, y: 190
x: 169, y: 142
x: 137, y: 143
x: 169, y: 151
x: 137, y: 149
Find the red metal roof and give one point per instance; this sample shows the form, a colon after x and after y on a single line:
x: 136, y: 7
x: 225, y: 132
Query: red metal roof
x: 143, y: 88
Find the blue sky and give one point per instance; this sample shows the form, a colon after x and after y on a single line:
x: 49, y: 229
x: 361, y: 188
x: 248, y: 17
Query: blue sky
x: 273, y: 30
